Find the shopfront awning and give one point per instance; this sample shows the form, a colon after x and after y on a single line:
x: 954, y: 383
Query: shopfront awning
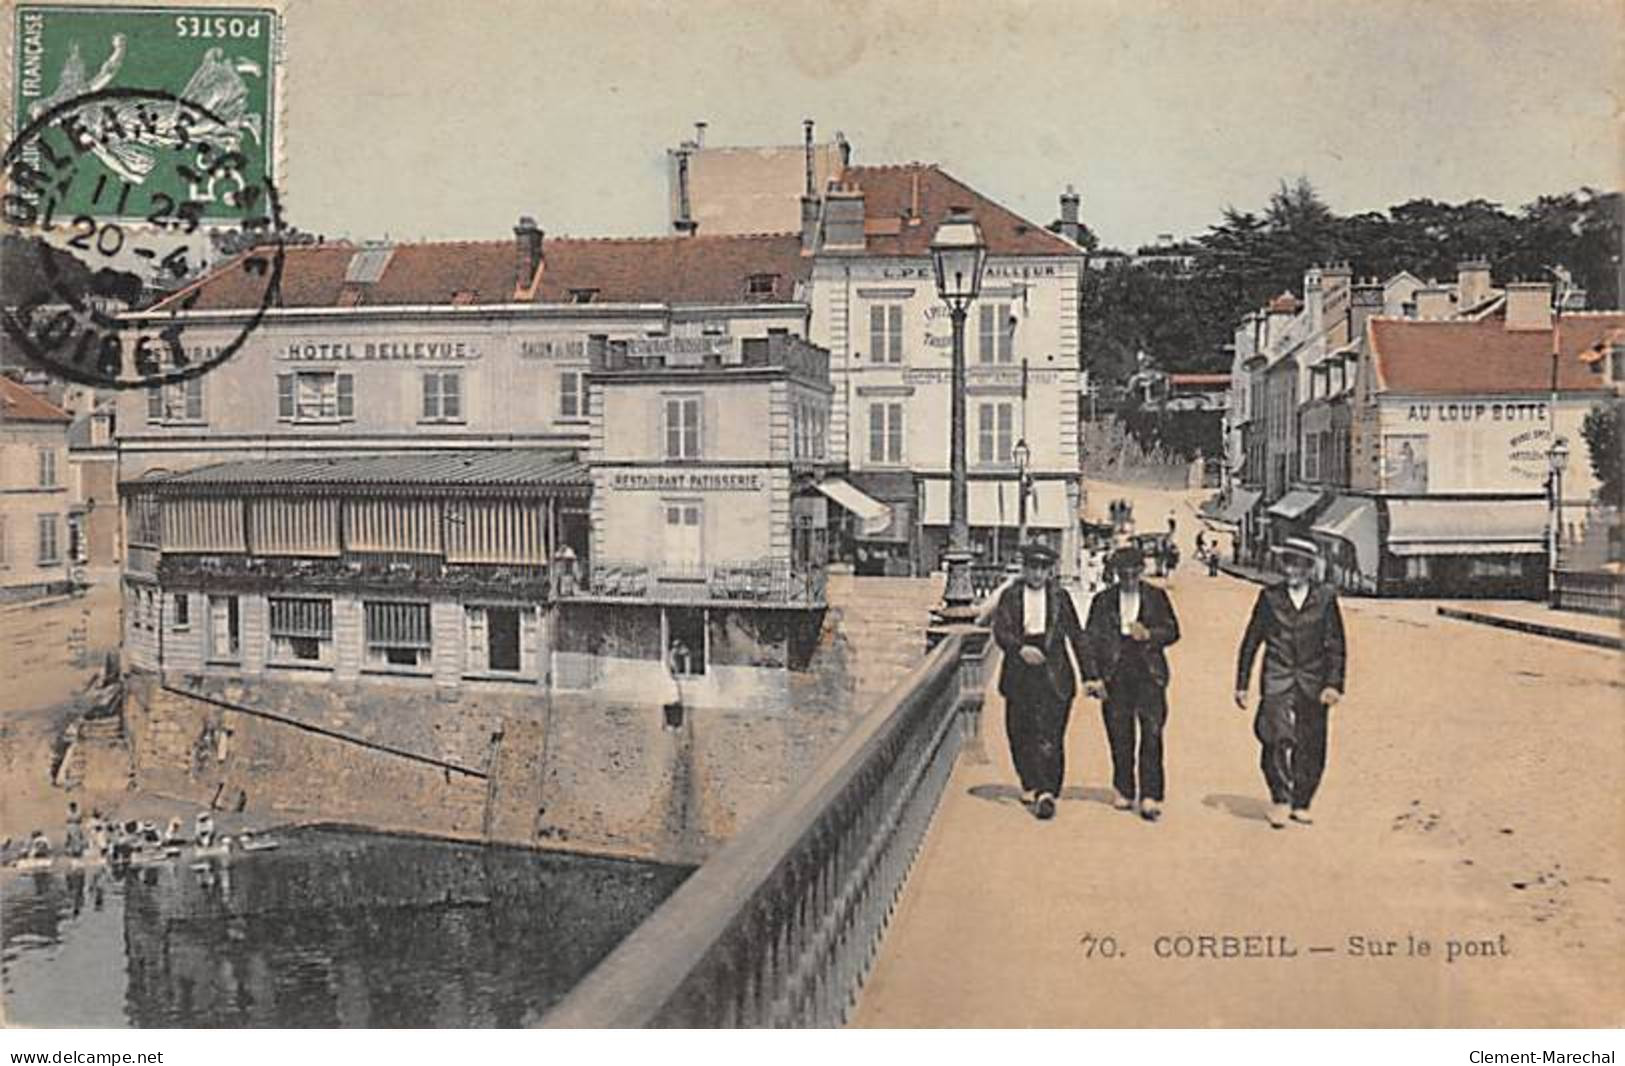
x: 1467, y: 527
x: 1294, y: 505
x: 872, y: 515
x: 1353, y: 519
x: 998, y: 504
x: 1240, y: 505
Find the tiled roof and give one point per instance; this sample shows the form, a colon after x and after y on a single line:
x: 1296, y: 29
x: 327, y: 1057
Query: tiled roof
x: 520, y: 467
x: 21, y: 404
x: 1455, y: 357
x: 678, y: 270
x: 893, y: 194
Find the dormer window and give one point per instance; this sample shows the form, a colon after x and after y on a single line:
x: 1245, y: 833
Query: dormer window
x: 762, y: 285
x: 583, y: 296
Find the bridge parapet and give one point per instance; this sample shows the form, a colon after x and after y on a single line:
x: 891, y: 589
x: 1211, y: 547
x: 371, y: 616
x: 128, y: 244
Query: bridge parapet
x: 780, y: 926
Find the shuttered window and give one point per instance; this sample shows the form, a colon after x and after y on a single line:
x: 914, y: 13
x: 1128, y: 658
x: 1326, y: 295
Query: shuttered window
x: 408, y: 526
x: 301, y: 630
x: 294, y: 527
x: 204, y: 525
x: 397, y: 634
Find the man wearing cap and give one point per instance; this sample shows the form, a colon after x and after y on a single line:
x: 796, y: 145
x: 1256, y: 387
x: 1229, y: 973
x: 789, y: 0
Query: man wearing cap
x: 1300, y: 628
x: 1124, y: 666
x: 1033, y: 624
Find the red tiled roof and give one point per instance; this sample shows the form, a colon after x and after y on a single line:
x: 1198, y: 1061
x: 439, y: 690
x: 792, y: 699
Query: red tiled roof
x: 699, y: 269
x: 681, y: 270
x: 21, y: 404
x: 1455, y: 357
x: 923, y: 191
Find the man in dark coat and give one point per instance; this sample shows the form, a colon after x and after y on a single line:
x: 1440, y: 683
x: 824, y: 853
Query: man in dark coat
x: 1300, y: 628
x: 1034, y: 622
x: 1130, y: 623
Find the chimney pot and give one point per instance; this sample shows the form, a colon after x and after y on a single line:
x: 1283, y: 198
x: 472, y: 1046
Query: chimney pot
x: 527, y: 251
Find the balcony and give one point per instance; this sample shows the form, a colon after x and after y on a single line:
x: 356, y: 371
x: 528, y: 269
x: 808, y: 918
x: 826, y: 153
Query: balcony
x: 763, y: 582
x: 356, y: 571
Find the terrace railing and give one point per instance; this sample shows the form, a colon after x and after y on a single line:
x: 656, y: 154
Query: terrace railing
x: 780, y: 926
x: 744, y: 581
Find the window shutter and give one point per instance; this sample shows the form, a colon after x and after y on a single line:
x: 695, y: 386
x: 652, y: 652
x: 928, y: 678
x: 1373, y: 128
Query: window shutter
x: 431, y: 396
x: 877, y: 433
x: 346, y: 405
x: 1007, y: 335
x: 451, y: 395
x: 478, y: 647
x: 284, y: 396
x: 895, y: 449
x: 155, y: 404
x: 877, y: 334
x: 896, y: 316
x: 985, y: 337
x: 194, y: 400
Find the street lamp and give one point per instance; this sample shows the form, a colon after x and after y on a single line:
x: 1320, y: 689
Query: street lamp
x: 1023, y: 456
x: 1557, y: 460
x: 958, y: 254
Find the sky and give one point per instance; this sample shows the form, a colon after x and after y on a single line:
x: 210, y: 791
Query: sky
x: 424, y: 118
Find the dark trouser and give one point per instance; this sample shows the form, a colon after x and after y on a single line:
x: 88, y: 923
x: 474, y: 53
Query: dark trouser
x: 1035, y: 724
x: 1292, y: 731
x: 1129, y: 709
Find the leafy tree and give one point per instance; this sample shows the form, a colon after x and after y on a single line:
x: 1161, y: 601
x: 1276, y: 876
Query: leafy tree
x: 1601, y: 432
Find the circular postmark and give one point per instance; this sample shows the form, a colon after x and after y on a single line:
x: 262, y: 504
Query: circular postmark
x: 80, y: 209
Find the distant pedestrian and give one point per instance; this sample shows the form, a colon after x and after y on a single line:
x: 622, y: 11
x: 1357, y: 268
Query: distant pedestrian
x: 1125, y: 667
x: 1300, y: 627
x: 73, y: 840
x: 1034, y: 623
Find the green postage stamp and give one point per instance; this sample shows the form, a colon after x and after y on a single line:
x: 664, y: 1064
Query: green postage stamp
x: 215, y: 64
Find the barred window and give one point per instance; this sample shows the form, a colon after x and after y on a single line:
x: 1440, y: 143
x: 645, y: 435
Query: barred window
x: 301, y: 630
x: 397, y: 634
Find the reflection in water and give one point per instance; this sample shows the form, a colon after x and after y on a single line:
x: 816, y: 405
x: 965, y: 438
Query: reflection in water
x: 333, y: 929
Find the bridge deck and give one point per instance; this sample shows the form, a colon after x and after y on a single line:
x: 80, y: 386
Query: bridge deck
x: 1456, y: 808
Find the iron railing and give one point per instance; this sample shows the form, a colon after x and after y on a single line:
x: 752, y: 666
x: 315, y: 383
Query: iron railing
x: 780, y: 927
x: 1589, y: 591
x: 744, y: 581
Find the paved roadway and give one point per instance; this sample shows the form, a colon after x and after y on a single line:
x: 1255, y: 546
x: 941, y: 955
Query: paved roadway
x: 1472, y: 796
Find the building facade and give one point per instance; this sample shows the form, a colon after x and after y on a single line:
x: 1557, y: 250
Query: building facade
x: 390, y: 476
x: 875, y: 307
x: 709, y: 529
x: 35, y: 494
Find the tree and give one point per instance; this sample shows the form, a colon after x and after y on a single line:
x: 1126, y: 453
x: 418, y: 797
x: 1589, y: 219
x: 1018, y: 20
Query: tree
x: 1601, y: 432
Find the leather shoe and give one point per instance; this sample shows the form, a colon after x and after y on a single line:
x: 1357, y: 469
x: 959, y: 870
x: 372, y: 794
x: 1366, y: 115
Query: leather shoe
x: 1045, y: 808
x: 1278, y: 815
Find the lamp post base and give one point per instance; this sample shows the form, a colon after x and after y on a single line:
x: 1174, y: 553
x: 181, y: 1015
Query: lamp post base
x: 959, y: 596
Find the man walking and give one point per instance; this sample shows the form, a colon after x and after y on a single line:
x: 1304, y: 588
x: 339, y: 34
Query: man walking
x: 1125, y: 667
x: 1034, y: 622
x: 1300, y: 628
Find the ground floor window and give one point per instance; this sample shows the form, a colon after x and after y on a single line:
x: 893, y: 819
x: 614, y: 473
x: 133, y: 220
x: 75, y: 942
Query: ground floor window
x: 497, y: 638
x: 225, y: 640
x: 685, y: 640
x: 301, y: 631
x: 183, y: 610
x: 398, y: 635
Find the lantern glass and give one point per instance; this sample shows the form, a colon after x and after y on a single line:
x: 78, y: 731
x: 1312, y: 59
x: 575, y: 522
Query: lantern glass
x: 1558, y: 456
x: 959, y: 255
x: 1023, y: 454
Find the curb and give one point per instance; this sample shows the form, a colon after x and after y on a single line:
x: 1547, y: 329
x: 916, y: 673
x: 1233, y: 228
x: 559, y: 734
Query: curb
x: 1578, y: 636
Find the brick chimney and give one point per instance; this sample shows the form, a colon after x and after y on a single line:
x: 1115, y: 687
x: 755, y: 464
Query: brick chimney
x: 527, y: 240
x: 1366, y: 301
x: 843, y: 219
x: 1472, y: 283
x: 1529, y: 305
x: 1069, y: 226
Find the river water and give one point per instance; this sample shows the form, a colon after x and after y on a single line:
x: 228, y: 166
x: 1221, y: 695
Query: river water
x: 333, y: 928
